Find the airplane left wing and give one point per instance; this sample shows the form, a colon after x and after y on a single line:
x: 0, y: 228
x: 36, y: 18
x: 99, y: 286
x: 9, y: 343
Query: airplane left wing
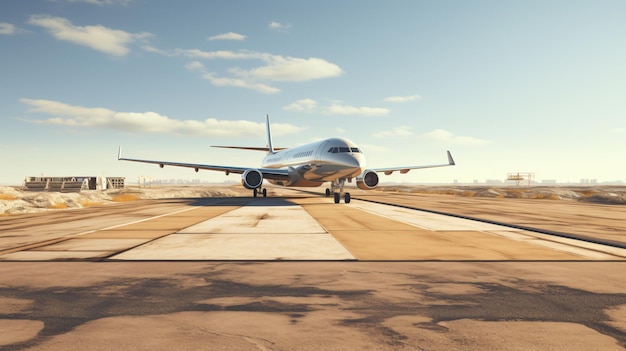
x: 403, y: 170
x: 268, y: 173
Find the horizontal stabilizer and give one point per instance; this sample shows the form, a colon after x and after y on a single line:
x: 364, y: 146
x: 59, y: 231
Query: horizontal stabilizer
x: 266, y: 149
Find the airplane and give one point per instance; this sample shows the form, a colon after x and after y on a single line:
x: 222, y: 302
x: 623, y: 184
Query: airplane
x: 334, y: 160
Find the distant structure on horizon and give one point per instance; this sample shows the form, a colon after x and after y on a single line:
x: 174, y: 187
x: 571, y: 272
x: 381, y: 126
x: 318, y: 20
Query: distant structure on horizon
x: 72, y: 184
x: 518, y: 177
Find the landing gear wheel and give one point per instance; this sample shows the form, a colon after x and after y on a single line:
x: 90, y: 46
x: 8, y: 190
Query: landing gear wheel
x: 264, y: 192
x: 347, y: 198
x: 327, y: 192
x: 337, y: 198
x: 255, y: 192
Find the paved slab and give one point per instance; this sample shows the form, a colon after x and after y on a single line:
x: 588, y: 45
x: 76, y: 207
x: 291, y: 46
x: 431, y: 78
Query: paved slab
x: 241, y: 247
x: 404, y: 234
x: 268, y: 229
x: 260, y: 217
x: 82, y: 244
x: 39, y: 255
x: 425, y: 220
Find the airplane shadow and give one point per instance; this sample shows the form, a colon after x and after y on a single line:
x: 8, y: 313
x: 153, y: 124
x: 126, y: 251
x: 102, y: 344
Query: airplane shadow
x: 239, y: 201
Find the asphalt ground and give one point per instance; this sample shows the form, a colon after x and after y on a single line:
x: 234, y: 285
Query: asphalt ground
x: 299, y: 272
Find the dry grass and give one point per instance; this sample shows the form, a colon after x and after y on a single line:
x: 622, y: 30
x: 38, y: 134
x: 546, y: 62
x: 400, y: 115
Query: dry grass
x: 588, y: 193
x: 88, y: 203
x: 542, y: 196
x: 8, y: 197
x: 125, y: 198
x: 442, y: 192
x: 59, y: 206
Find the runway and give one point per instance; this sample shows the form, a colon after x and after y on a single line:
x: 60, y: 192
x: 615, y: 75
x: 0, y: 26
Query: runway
x: 296, y: 271
x: 289, y: 227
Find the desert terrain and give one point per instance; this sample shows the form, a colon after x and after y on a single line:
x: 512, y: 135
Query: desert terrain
x: 14, y: 200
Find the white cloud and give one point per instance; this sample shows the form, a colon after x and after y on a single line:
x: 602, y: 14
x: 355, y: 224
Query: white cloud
x: 302, y: 105
x: 148, y: 122
x: 445, y: 136
x: 7, y: 28
x: 402, y: 98
x: 336, y: 108
x: 228, y: 36
x: 240, y: 83
x: 277, y: 68
x: 399, y: 132
x: 100, y: 38
x: 293, y: 69
x: 279, y: 26
x: 339, y: 109
x: 224, y: 54
x: 195, y: 66
x: 152, y: 49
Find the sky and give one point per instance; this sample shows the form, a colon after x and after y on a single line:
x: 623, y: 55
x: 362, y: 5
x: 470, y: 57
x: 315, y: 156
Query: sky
x: 506, y: 86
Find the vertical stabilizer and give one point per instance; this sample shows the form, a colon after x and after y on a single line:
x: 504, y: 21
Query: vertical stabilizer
x: 268, y: 132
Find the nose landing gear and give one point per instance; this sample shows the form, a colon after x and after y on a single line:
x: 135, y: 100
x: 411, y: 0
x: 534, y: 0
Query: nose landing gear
x: 338, y: 184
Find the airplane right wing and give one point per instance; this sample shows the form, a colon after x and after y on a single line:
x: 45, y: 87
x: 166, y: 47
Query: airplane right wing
x: 403, y: 170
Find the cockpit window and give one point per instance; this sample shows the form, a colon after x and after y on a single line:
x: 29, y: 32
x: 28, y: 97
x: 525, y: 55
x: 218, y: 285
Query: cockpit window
x: 336, y: 149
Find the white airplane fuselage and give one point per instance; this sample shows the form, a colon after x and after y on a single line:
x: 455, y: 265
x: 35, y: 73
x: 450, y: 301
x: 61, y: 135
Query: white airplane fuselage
x: 316, y: 163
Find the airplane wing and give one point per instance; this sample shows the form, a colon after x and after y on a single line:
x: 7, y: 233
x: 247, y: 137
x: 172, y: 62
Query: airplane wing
x: 403, y: 170
x: 268, y: 173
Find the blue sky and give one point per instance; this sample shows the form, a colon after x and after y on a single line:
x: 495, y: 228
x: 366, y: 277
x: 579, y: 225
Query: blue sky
x: 507, y: 86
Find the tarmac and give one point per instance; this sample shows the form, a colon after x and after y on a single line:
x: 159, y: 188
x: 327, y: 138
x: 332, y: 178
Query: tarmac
x: 300, y: 272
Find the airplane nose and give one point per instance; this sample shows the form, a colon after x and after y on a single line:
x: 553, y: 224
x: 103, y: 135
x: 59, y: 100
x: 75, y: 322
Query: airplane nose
x: 352, y: 161
x: 355, y: 162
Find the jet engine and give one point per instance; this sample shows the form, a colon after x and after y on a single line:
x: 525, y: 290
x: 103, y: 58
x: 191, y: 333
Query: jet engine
x: 368, y: 180
x: 252, y: 179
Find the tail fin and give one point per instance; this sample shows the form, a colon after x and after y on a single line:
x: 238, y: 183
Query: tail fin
x: 268, y: 131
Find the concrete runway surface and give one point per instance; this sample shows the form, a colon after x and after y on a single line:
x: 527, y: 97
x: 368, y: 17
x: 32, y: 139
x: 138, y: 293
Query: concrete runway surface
x: 207, y: 274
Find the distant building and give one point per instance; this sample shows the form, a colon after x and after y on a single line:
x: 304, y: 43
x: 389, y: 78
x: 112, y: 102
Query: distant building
x: 72, y: 184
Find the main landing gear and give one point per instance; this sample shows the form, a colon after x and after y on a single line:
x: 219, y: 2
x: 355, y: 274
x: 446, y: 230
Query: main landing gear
x: 260, y: 191
x: 338, y: 184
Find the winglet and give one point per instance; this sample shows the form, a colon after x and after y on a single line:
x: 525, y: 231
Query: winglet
x: 450, y: 159
x: 119, y: 153
x: 268, y: 134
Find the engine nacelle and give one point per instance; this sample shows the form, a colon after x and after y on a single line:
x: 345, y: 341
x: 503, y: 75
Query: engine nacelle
x: 368, y: 180
x: 252, y: 179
